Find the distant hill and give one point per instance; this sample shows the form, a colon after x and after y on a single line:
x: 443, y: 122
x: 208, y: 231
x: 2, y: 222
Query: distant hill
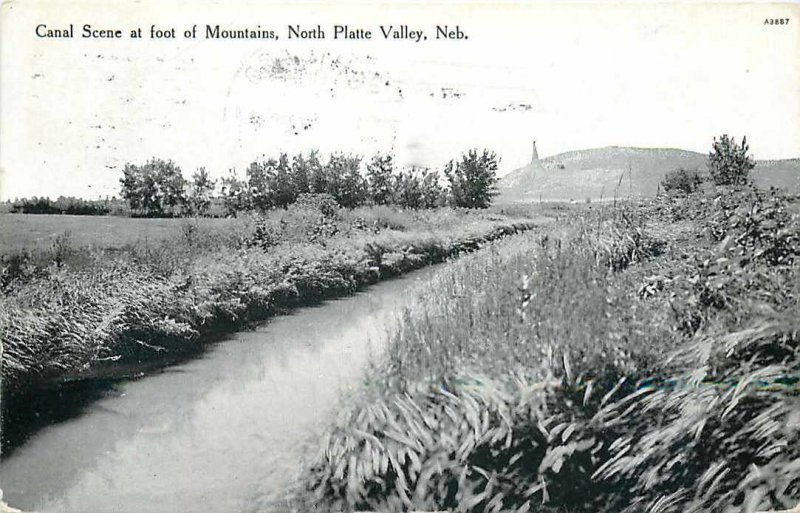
x: 621, y: 171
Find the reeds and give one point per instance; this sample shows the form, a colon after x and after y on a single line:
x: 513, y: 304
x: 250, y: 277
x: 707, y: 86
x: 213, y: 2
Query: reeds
x: 595, y: 367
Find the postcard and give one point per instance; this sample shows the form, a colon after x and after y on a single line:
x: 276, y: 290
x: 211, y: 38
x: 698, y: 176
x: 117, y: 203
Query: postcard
x: 399, y: 256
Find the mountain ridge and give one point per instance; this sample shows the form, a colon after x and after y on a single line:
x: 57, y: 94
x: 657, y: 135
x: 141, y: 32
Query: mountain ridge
x: 603, y: 172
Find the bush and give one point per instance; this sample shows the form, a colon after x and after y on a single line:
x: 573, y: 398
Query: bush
x: 325, y: 204
x: 16, y: 266
x: 728, y: 162
x: 682, y: 180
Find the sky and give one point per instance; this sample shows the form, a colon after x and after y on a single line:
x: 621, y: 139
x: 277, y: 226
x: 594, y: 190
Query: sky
x: 570, y: 75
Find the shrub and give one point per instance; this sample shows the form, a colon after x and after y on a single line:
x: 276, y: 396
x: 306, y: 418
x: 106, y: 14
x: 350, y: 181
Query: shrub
x: 385, y: 216
x: 266, y: 234
x: 16, y: 266
x: 755, y: 225
x: 682, y: 180
x: 324, y: 203
x: 728, y: 162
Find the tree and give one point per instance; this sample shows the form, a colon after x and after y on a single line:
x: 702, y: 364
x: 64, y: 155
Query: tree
x: 418, y: 188
x: 433, y: 194
x: 380, y: 179
x: 317, y: 175
x: 201, y: 191
x: 728, y: 162
x: 156, y: 188
x: 472, y: 179
x: 344, y: 180
x: 408, y: 189
x: 170, y: 186
x: 235, y: 196
x: 280, y: 182
x: 258, y: 192
x: 129, y: 185
x: 301, y: 176
x: 138, y: 188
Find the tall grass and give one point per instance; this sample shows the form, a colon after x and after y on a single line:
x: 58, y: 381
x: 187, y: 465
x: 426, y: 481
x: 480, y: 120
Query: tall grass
x: 612, y: 364
x: 94, y: 309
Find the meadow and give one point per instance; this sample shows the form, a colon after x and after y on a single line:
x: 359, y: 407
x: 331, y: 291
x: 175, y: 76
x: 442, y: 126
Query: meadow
x: 637, y: 357
x: 101, y: 296
x: 41, y: 231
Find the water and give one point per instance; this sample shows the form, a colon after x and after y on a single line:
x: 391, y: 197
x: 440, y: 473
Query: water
x: 224, y: 432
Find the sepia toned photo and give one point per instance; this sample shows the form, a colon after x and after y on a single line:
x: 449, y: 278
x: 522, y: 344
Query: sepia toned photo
x: 443, y: 256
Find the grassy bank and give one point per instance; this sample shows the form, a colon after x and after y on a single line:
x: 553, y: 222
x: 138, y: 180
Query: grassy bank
x: 73, y: 310
x: 631, y: 358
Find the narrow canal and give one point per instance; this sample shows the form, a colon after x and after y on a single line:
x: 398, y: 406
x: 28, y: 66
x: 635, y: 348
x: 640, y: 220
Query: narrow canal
x: 224, y: 432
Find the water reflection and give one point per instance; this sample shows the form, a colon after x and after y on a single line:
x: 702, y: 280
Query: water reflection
x: 222, y: 432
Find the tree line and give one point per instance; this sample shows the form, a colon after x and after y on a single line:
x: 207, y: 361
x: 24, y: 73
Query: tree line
x: 158, y: 188
x: 62, y: 205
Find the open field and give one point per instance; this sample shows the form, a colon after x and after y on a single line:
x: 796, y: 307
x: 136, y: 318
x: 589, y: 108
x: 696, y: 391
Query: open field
x: 36, y: 231
x: 638, y: 358
x: 86, y: 305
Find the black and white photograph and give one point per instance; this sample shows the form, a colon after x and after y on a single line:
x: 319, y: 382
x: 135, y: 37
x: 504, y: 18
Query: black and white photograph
x: 399, y: 256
